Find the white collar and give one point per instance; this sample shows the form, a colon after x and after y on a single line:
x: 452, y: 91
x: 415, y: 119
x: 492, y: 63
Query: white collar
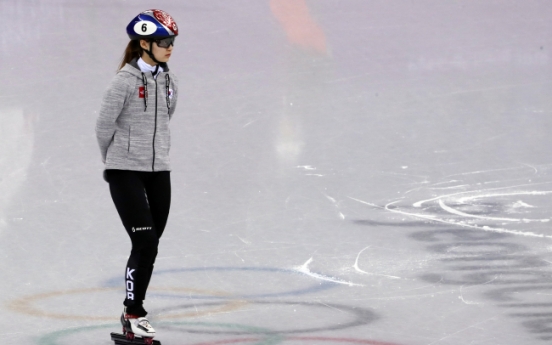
x: 145, y: 67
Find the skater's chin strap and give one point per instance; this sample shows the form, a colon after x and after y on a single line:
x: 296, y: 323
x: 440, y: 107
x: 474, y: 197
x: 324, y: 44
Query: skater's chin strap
x: 149, y: 52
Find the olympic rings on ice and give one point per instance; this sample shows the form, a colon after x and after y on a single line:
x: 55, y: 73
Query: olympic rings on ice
x: 26, y: 305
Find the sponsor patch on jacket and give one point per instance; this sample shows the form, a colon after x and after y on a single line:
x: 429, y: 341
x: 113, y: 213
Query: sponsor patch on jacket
x: 141, y: 92
x: 171, y: 92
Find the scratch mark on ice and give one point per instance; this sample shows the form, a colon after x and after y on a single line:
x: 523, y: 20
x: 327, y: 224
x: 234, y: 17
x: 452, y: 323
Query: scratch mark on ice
x: 435, y: 219
x: 244, y: 241
x: 329, y: 306
x: 236, y: 254
x: 306, y: 167
x: 355, y: 266
x: 305, y: 270
x: 462, y: 330
x: 463, y: 214
x: 250, y: 122
x: 336, y: 204
x: 330, y: 198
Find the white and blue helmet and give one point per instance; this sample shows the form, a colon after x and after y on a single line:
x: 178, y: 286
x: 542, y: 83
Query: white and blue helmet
x: 152, y: 24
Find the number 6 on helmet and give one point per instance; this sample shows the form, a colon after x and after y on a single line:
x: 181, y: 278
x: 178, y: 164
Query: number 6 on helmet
x: 152, y: 24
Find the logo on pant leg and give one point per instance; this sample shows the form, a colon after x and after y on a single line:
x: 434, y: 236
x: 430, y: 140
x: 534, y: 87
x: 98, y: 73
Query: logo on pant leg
x: 130, y: 283
x: 141, y: 229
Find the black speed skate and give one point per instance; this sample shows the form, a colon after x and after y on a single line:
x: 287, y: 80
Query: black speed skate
x: 122, y: 339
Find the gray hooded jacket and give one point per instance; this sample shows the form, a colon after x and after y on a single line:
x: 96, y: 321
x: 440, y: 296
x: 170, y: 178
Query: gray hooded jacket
x: 133, y: 125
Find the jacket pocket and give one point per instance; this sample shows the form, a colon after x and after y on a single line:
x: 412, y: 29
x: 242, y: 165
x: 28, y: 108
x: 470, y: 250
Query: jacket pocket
x: 118, y: 148
x: 140, y: 150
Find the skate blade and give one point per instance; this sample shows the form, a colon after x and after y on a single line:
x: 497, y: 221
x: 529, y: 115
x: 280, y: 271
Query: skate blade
x: 121, y: 339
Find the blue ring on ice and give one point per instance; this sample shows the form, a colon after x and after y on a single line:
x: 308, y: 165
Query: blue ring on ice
x: 319, y: 286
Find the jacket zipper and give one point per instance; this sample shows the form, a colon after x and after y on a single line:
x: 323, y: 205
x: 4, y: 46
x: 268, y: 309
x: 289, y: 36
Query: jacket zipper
x: 155, y: 128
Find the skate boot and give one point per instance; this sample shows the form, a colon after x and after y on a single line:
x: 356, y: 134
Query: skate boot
x: 134, y: 325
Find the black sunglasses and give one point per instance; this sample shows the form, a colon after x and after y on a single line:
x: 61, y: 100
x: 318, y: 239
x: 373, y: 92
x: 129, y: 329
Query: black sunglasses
x: 165, y: 42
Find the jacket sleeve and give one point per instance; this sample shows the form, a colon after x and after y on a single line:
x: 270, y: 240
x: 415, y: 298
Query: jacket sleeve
x: 113, y: 102
x: 174, y: 101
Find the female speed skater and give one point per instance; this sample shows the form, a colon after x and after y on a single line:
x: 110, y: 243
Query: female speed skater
x: 133, y: 134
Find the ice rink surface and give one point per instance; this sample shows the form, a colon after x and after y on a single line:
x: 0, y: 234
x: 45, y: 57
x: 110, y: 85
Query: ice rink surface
x: 344, y: 172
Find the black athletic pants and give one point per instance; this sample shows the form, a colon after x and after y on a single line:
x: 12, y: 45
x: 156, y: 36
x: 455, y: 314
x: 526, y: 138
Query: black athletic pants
x: 143, y: 201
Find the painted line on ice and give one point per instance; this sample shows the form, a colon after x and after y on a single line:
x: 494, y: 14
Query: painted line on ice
x: 116, y: 281
x: 29, y: 304
x: 266, y: 339
x: 344, y: 340
x: 302, y: 339
x: 352, y: 316
x: 256, y: 335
